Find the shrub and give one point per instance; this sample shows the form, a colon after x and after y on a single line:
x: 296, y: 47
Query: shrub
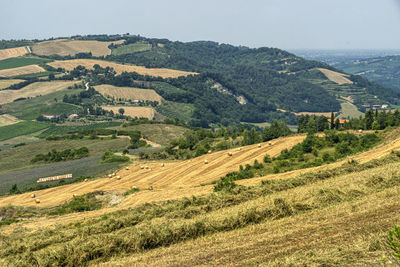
x: 394, y: 241
x: 109, y: 157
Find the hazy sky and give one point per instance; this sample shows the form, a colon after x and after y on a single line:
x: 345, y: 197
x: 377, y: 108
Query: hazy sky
x: 287, y: 24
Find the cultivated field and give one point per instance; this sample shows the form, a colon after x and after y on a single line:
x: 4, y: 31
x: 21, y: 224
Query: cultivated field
x: 128, y: 93
x: 7, y: 83
x: 7, y: 119
x: 13, y: 52
x: 350, y: 110
x: 140, y: 112
x: 336, y: 77
x: 119, y: 68
x: 21, y: 71
x: 64, y: 47
x: 34, y: 89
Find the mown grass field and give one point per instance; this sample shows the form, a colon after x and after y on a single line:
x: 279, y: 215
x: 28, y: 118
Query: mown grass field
x: 21, y: 61
x: 65, y: 47
x: 336, y: 77
x: 13, y: 52
x: 21, y: 128
x: 128, y: 93
x: 139, y: 112
x: 119, y: 68
x: 349, y: 110
x: 6, y: 83
x: 131, y: 48
x: 15, y: 72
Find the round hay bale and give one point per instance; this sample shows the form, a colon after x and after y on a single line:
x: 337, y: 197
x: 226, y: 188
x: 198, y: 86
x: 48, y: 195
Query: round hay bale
x: 142, y: 167
x: 33, y: 196
x: 209, y: 151
x: 259, y: 145
x: 75, y: 195
x: 270, y: 143
x: 110, y: 175
x: 118, y: 177
x: 162, y: 165
x: 146, y: 167
x: 37, y: 200
x: 86, y: 180
x: 360, y: 131
x: 230, y: 154
x: 113, y: 174
x: 239, y: 148
x: 134, y: 187
x: 205, y: 161
x: 127, y: 168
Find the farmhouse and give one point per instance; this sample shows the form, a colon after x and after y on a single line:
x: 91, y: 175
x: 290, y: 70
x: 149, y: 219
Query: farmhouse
x: 49, y: 117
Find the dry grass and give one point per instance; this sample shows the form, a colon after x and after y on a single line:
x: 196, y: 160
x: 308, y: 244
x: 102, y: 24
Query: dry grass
x: 21, y: 71
x: 119, y: 68
x: 326, y: 114
x: 335, y: 77
x: 7, y: 83
x: 34, y: 89
x: 140, y: 112
x: 65, y: 47
x: 13, y: 52
x: 128, y: 93
x: 7, y: 119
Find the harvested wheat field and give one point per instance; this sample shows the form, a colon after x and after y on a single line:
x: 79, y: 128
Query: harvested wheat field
x: 140, y: 112
x: 65, y: 47
x: 7, y: 119
x: 119, y: 68
x: 21, y: 71
x: 128, y: 93
x: 336, y: 77
x: 7, y: 83
x: 34, y: 89
x: 13, y: 52
x: 173, y: 181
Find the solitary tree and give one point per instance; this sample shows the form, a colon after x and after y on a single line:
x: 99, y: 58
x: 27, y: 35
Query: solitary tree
x: 332, y: 120
x: 121, y: 111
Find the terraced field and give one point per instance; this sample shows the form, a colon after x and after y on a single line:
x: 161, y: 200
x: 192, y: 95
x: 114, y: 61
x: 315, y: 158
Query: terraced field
x: 119, y: 68
x: 128, y: 93
x: 64, y: 47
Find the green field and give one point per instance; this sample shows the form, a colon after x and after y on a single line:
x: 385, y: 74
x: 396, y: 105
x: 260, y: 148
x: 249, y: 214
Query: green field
x: 131, y: 48
x: 21, y: 128
x: 181, y: 111
x: 16, y: 62
x: 349, y: 111
x: 20, y: 157
x: 30, y: 109
x: 159, y: 133
x: 63, y: 129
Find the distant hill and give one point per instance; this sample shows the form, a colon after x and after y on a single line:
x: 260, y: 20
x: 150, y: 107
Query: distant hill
x: 384, y: 70
x: 212, y: 83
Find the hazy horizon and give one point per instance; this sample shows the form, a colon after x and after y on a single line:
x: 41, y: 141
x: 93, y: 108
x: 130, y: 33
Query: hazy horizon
x: 286, y: 24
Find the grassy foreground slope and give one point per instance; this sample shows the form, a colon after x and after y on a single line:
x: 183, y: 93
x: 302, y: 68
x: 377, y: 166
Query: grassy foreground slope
x: 337, y: 216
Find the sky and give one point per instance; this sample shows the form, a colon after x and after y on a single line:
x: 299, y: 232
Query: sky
x: 286, y: 24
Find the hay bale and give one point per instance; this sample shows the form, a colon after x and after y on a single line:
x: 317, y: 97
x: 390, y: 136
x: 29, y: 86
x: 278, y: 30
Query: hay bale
x: 239, y: 149
x: 127, y: 168
x: 209, y: 151
x: 230, y: 154
x: 162, y: 165
x: 270, y: 143
x: 259, y: 145
x: 75, y: 195
x: 86, y: 180
x: 146, y: 167
x: 205, y: 161
x: 113, y: 174
x: 33, y: 196
x: 118, y: 177
x: 37, y: 200
x: 134, y: 187
x: 110, y: 175
x: 142, y: 167
x: 360, y: 131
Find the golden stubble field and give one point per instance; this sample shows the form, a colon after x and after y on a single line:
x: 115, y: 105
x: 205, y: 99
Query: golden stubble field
x: 21, y: 71
x: 13, y: 52
x: 140, y: 112
x: 128, y: 93
x: 34, y: 89
x: 119, y: 68
x: 6, y: 83
x: 336, y: 77
x: 65, y: 47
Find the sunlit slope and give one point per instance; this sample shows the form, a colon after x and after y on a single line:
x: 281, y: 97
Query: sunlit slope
x: 174, y: 180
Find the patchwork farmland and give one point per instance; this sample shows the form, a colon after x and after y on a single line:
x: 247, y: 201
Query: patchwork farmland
x: 13, y: 52
x: 21, y: 71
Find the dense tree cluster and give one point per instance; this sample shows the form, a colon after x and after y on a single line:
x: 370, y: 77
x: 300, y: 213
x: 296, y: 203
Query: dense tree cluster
x: 56, y: 156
